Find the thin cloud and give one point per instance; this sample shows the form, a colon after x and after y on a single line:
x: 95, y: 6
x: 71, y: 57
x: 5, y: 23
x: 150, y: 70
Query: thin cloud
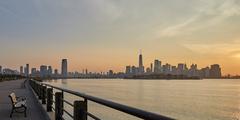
x: 176, y: 29
x: 229, y: 49
x: 206, y: 16
x: 102, y: 10
x: 5, y: 10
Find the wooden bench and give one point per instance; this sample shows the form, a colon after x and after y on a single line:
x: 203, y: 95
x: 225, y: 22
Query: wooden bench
x: 18, y: 104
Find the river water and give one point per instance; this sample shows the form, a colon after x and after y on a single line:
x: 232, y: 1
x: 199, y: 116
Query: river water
x: 179, y: 99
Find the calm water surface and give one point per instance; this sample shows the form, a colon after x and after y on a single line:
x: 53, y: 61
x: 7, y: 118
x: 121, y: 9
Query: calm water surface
x: 179, y: 99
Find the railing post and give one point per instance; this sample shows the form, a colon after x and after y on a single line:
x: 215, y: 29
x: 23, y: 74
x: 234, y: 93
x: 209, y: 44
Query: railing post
x: 39, y: 91
x: 35, y: 85
x: 36, y: 88
x: 80, y: 110
x: 58, y: 106
x: 44, y: 88
x: 62, y: 102
x: 49, y: 99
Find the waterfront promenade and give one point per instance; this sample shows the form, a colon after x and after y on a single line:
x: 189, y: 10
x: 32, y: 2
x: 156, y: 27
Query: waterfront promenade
x: 34, y: 111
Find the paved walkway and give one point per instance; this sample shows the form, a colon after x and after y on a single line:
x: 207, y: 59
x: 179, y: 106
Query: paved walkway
x: 34, y: 111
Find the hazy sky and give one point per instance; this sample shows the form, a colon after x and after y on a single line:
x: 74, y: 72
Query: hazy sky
x: 104, y: 34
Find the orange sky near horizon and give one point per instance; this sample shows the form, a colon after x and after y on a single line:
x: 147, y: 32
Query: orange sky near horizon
x: 103, y: 63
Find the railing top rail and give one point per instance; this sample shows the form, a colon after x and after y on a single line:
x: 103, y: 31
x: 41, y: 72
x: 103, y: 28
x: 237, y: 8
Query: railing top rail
x: 120, y: 107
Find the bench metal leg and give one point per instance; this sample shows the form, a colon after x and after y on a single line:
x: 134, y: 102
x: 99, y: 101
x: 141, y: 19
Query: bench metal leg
x: 25, y: 111
x: 11, y: 114
x: 14, y: 110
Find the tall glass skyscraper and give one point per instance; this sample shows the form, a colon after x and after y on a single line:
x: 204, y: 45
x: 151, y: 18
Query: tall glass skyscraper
x: 140, y: 60
x: 215, y: 71
x: 141, y: 67
x: 43, y: 71
x: 64, y: 68
x: 157, y: 66
x: 21, y: 70
x: 27, y: 70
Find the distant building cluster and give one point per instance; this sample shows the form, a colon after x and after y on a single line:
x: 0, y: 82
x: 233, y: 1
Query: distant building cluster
x: 157, y: 68
x: 46, y: 71
x: 8, y: 71
x: 214, y: 71
x: 86, y: 74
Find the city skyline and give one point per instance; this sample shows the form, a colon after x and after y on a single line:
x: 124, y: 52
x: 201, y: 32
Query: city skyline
x: 63, y: 69
x: 157, y: 67
x: 105, y: 34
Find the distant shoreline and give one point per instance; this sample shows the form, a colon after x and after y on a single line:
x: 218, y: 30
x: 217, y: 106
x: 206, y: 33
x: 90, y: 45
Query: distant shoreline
x: 131, y: 78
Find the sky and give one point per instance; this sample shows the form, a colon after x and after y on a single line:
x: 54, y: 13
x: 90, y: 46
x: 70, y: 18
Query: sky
x: 108, y: 34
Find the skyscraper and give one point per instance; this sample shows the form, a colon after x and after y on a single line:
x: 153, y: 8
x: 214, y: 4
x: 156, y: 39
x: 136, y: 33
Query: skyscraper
x: 56, y: 72
x: 110, y: 73
x: 0, y: 69
x: 27, y: 70
x: 21, y: 70
x: 166, y: 69
x: 148, y: 70
x: 193, y: 71
x: 181, y: 69
x: 141, y: 67
x: 64, y: 68
x: 215, y: 71
x: 43, y: 71
x: 134, y: 70
x: 151, y: 67
x: 157, y: 66
x: 205, y: 72
x: 50, y: 71
x: 128, y: 70
x: 33, y: 72
x: 174, y: 70
x: 140, y: 60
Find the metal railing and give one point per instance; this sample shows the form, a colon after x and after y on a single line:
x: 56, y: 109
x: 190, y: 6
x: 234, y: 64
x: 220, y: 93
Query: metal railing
x: 45, y: 93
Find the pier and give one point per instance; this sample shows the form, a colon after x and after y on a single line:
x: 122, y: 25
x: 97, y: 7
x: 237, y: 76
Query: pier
x: 20, y: 87
x: 46, y: 102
